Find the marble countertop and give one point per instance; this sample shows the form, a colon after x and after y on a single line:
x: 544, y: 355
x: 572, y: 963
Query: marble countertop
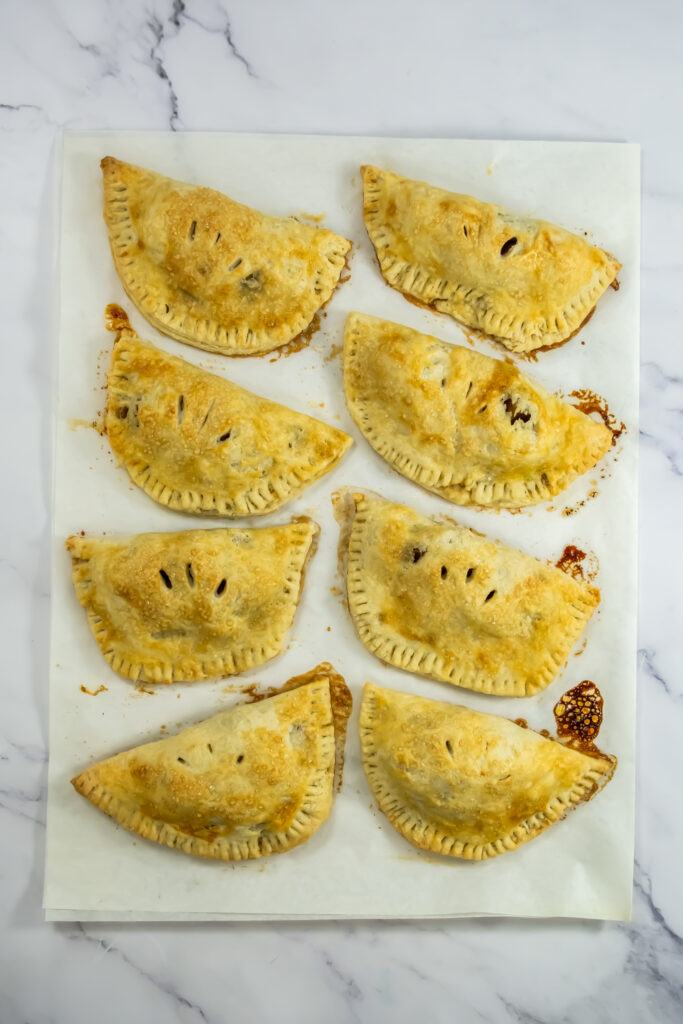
x: 462, y: 69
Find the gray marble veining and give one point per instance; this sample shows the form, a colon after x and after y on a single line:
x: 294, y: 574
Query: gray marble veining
x: 523, y: 71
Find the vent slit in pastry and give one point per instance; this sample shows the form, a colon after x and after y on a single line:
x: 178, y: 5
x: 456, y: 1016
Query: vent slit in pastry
x: 198, y: 443
x: 472, y: 429
x: 498, y: 621
x: 254, y: 780
x: 176, y: 248
x: 173, y: 607
x: 525, y: 282
x: 464, y: 783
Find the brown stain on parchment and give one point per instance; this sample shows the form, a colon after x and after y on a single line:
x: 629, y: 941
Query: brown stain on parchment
x: 589, y: 402
x: 93, y: 693
x: 303, y: 340
x: 581, y: 565
x: 578, y: 717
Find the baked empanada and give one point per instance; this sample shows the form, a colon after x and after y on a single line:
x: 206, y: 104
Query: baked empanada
x: 523, y: 281
x: 472, y: 429
x: 464, y: 783
x: 211, y: 272
x: 254, y: 780
x: 445, y: 601
x: 198, y: 443
x: 173, y: 607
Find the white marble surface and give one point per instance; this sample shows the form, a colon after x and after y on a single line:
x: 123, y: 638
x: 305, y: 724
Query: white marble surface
x: 528, y: 70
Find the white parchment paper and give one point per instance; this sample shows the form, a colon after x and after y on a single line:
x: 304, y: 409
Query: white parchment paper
x: 356, y: 865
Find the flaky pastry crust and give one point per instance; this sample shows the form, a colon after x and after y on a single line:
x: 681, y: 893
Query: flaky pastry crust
x: 211, y: 272
x: 525, y: 282
x: 446, y: 602
x: 472, y: 429
x: 175, y: 607
x: 248, y: 782
x: 464, y: 783
x: 198, y: 443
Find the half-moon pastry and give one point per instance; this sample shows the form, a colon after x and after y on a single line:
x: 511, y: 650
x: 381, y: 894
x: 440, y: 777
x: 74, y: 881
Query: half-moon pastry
x: 198, y: 443
x: 174, y: 607
x: 447, y: 602
x: 248, y: 782
x: 211, y: 272
x: 523, y: 281
x: 464, y: 783
x: 472, y: 429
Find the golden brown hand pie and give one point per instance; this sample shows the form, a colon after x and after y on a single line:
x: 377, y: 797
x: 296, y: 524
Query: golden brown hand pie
x: 447, y: 602
x: 173, y: 607
x: 472, y: 429
x: 464, y: 783
x: 525, y: 282
x: 198, y: 443
x: 254, y: 780
x: 211, y: 272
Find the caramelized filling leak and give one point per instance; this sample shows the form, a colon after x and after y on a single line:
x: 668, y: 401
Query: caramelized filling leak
x: 570, y: 562
x: 532, y: 357
x: 578, y: 717
x: 303, y: 340
x: 474, y: 335
x: 74, y: 423
x: 116, y: 319
x: 315, y: 218
x: 514, y: 412
x: 335, y: 350
x: 589, y: 402
x: 571, y: 510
